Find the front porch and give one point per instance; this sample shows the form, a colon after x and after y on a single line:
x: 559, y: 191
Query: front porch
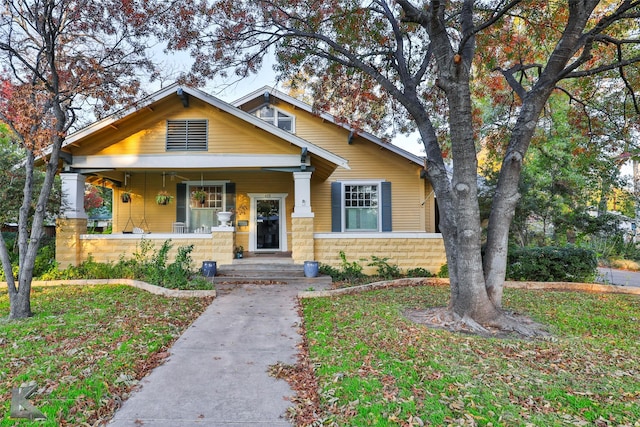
x: 270, y: 212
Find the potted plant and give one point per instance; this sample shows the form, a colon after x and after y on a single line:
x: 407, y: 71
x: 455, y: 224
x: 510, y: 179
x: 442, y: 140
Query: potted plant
x: 199, y: 196
x: 163, y: 197
x: 125, y: 196
x: 239, y: 251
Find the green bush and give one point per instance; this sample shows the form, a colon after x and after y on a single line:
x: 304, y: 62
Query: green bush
x: 419, y: 272
x: 443, y: 273
x: 45, y: 258
x: 147, y: 264
x: 552, y: 264
x: 349, y: 271
x: 385, y: 270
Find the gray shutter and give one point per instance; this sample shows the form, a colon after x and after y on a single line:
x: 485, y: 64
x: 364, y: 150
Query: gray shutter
x: 230, y: 196
x: 336, y: 207
x: 181, y: 202
x: 386, y: 206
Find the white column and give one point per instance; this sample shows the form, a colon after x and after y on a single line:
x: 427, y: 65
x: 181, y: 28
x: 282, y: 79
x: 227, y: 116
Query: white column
x: 302, y: 186
x: 72, y: 205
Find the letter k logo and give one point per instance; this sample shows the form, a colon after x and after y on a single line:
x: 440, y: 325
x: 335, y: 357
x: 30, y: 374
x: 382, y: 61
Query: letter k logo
x: 20, y: 407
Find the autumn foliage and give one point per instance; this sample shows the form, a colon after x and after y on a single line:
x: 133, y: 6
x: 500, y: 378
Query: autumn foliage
x: 59, y: 60
x: 463, y: 74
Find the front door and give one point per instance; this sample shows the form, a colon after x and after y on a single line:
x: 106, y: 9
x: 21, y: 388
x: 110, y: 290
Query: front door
x: 268, y: 225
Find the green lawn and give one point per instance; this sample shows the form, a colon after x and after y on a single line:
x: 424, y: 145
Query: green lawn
x: 86, y: 347
x: 376, y: 368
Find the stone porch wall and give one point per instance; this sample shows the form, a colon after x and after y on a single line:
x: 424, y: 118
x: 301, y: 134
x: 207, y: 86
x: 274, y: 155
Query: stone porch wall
x: 217, y: 246
x: 406, y: 250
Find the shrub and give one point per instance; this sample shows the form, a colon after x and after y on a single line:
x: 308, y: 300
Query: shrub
x: 147, y: 264
x: 328, y: 270
x: 385, y: 270
x: 552, y: 264
x: 444, y: 271
x: 348, y: 271
x: 45, y: 258
x: 419, y: 272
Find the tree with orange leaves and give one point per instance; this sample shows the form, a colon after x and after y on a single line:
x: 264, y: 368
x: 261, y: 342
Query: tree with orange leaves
x: 419, y: 58
x: 56, y: 57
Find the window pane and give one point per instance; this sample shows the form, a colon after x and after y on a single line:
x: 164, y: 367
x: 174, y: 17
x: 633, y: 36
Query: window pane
x: 204, y: 202
x: 285, y: 122
x: 361, y: 219
x: 275, y: 117
x: 266, y: 113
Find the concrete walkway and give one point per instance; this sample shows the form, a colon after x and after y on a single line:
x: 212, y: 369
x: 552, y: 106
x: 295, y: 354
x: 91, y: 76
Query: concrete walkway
x: 612, y: 276
x: 216, y: 374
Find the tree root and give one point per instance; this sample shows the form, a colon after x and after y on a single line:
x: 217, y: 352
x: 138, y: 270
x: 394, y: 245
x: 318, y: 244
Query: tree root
x: 505, y: 325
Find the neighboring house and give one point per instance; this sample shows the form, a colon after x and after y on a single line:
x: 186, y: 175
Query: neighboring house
x: 296, y: 183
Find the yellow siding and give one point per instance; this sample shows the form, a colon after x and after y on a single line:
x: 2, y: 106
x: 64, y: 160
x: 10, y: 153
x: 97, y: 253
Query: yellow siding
x: 145, y: 133
x: 143, y: 212
x: 227, y: 134
x: 367, y: 161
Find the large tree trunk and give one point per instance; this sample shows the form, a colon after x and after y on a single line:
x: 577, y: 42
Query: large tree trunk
x: 20, y: 306
x: 506, y: 198
x: 29, y: 238
x: 463, y: 234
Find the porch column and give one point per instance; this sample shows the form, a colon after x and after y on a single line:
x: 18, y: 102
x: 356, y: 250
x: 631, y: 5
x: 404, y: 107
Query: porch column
x: 72, y: 222
x: 302, y: 244
x: 68, y: 243
x: 302, y: 181
x: 72, y: 205
x: 223, y: 242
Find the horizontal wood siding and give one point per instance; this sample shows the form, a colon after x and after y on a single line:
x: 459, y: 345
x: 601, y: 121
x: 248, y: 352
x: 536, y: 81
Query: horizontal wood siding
x: 367, y: 162
x: 227, y: 134
x: 160, y: 219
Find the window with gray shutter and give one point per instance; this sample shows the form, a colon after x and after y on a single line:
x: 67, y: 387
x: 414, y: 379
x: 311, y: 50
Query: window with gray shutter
x: 360, y: 206
x: 187, y: 135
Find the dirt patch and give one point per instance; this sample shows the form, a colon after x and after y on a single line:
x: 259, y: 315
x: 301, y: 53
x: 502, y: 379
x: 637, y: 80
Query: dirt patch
x: 510, y: 325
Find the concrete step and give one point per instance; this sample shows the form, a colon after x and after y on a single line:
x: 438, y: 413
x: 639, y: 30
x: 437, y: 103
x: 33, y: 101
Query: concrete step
x: 276, y: 270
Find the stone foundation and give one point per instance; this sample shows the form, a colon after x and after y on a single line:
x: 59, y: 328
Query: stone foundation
x: 406, y: 250
x: 302, y: 247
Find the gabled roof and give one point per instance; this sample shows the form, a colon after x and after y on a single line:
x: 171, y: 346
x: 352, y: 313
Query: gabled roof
x: 178, y: 90
x: 328, y: 117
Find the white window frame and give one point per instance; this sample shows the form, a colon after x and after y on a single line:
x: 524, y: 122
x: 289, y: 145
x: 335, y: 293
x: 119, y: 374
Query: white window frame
x: 192, y: 185
x: 276, y: 111
x: 343, y: 206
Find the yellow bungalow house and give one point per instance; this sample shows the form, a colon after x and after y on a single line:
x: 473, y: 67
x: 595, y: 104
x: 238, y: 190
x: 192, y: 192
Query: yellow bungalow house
x: 265, y: 173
